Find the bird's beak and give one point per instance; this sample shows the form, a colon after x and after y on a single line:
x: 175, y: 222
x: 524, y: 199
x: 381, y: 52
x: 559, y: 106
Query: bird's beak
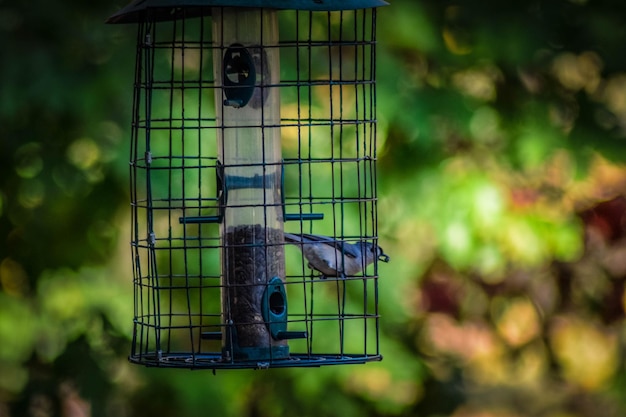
x: 384, y: 258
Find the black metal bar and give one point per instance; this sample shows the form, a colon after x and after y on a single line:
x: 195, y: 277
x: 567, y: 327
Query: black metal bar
x: 291, y: 335
x: 304, y: 216
x: 199, y: 219
x: 211, y: 336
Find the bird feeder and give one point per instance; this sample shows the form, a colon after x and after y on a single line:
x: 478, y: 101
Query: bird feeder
x: 251, y: 118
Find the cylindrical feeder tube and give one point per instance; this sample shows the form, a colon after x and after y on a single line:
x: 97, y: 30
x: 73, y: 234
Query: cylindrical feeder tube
x: 246, y: 65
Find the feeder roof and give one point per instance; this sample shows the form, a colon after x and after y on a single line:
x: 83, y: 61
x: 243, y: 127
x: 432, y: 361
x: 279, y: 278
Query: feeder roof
x: 173, y: 9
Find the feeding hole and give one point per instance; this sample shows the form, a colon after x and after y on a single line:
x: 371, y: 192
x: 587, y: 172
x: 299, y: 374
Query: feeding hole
x: 277, y: 303
x: 237, y: 70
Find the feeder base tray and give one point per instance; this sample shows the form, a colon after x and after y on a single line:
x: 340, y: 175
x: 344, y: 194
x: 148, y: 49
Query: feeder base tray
x: 216, y: 361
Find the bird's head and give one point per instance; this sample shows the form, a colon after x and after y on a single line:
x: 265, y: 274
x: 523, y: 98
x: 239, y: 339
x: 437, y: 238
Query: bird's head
x: 376, y: 252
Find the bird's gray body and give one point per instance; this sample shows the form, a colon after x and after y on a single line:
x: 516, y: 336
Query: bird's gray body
x: 333, y: 257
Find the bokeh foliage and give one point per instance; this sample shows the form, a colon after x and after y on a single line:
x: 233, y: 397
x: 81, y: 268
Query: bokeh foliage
x: 501, y: 138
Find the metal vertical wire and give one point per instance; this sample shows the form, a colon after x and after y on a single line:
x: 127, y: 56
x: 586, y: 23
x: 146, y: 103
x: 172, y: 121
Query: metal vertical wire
x: 134, y: 221
x: 171, y: 130
x: 150, y: 208
x: 339, y: 260
x: 298, y: 46
x: 263, y: 127
x: 359, y: 174
x: 190, y: 311
x: 198, y: 348
x: 372, y: 161
x: 151, y: 238
x: 309, y: 80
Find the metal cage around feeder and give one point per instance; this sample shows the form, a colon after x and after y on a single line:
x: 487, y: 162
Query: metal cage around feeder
x: 252, y: 118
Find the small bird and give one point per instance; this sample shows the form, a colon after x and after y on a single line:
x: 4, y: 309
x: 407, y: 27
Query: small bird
x: 336, y: 258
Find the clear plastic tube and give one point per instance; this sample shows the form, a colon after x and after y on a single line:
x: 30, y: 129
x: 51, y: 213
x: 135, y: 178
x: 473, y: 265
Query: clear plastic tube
x: 246, y: 66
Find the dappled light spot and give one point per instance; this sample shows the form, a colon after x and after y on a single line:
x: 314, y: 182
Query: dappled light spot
x: 516, y: 320
x: 522, y: 241
x: 28, y: 161
x: 488, y: 204
x: 455, y: 36
x: 457, y: 239
x: 485, y: 125
x: 578, y: 72
x: 490, y: 263
x: 13, y: 278
x: 377, y: 383
x: 587, y: 353
x: 83, y: 153
x: 31, y: 194
x: 564, y: 115
x: 467, y: 341
x: 531, y: 364
x: 374, y: 381
x: 613, y: 95
x: 18, y: 332
x: 63, y: 296
x: 455, y: 42
x: 478, y: 82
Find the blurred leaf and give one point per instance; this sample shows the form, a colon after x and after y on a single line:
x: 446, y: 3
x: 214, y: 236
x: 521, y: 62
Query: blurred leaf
x: 587, y: 354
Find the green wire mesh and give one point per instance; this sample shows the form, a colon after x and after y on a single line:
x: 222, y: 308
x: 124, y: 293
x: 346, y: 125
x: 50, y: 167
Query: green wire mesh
x: 328, y: 134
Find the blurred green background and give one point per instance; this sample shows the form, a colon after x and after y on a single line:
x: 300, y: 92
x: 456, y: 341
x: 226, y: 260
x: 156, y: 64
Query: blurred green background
x: 502, y: 130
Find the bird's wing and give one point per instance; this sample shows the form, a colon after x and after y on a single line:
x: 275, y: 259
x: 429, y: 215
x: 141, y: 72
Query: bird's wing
x: 348, y: 248
x: 345, y: 247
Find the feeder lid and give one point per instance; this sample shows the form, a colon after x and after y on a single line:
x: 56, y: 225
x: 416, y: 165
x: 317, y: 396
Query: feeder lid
x: 173, y: 9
